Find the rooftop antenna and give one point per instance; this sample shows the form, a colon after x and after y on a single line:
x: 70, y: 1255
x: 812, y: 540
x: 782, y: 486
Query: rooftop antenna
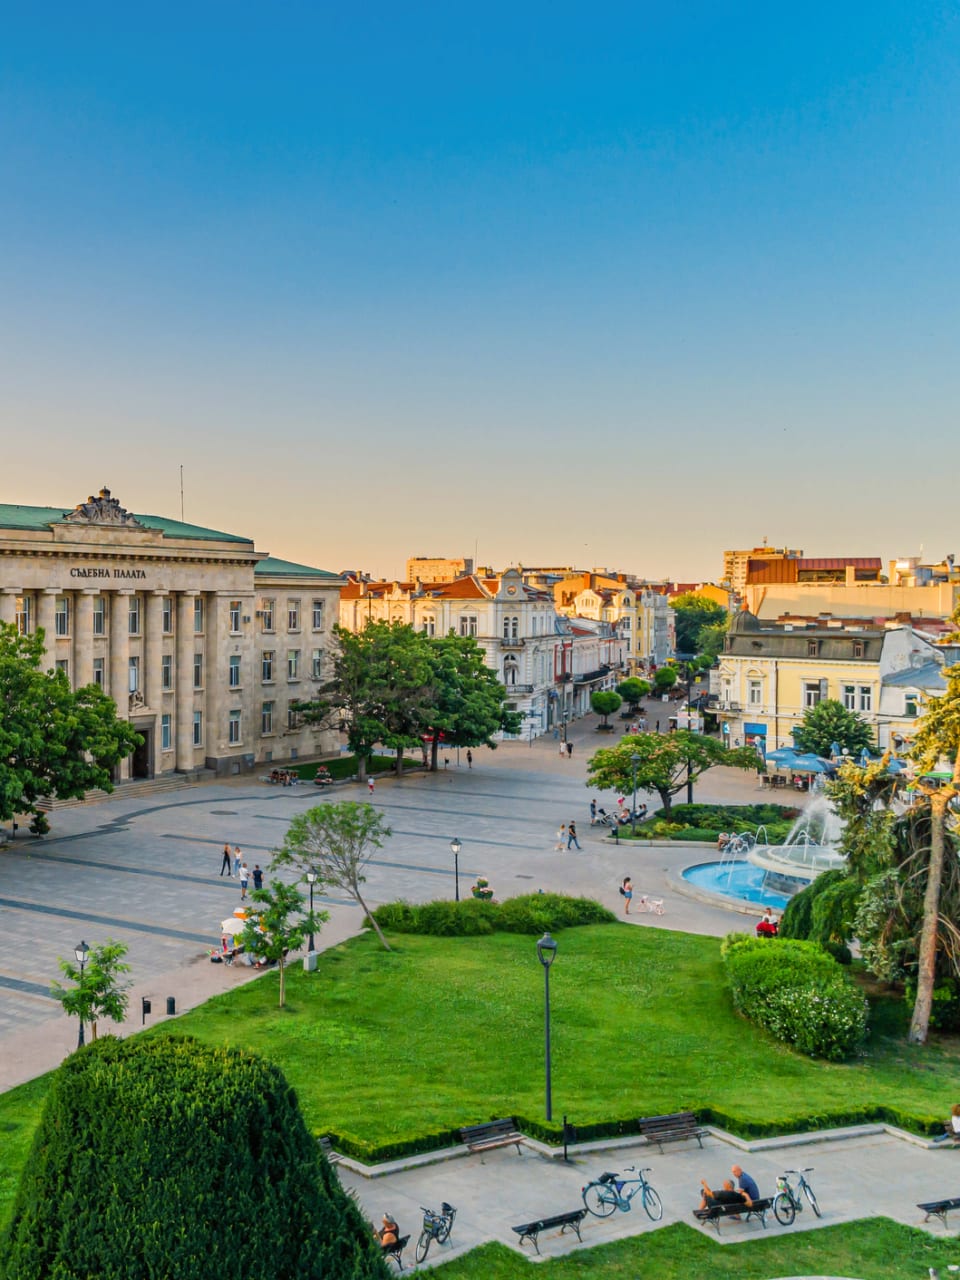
x: 181, y: 493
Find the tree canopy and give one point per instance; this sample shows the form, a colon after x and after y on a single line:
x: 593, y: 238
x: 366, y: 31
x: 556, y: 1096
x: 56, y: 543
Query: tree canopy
x: 665, y: 678
x: 829, y: 725
x: 54, y: 741
x: 604, y: 702
x: 693, y: 614
x: 665, y: 762
x: 279, y: 926
x: 100, y: 991
x: 468, y: 703
x: 633, y: 691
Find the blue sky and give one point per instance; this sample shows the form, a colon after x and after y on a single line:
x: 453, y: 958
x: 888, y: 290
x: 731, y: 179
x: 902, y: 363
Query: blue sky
x: 617, y: 284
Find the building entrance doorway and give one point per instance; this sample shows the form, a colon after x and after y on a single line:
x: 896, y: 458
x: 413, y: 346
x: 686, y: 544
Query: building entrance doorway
x: 142, y: 758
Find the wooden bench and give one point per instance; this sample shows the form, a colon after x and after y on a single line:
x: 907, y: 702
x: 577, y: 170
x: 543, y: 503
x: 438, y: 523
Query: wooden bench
x: 493, y: 1134
x: 939, y: 1209
x: 395, y: 1250
x: 745, y: 1212
x: 326, y: 1149
x: 674, y: 1128
x: 565, y: 1221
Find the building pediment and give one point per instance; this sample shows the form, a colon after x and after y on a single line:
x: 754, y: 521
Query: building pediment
x: 103, y: 510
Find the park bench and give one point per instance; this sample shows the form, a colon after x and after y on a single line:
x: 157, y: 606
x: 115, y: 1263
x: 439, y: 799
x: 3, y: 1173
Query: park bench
x: 939, y: 1209
x: 495, y: 1133
x: 673, y: 1128
x: 395, y: 1250
x: 326, y: 1148
x: 745, y: 1212
x: 565, y: 1221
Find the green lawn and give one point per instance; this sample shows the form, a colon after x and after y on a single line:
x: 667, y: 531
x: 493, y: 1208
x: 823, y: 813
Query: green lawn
x: 393, y: 1048
x: 864, y: 1249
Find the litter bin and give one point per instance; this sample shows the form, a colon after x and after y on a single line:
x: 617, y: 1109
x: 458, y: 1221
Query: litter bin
x: 171, y: 1006
x: 310, y: 962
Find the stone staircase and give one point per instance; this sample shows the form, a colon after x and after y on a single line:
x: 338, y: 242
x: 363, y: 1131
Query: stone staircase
x: 133, y: 789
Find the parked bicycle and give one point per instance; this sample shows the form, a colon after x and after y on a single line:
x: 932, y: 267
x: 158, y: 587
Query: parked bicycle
x: 612, y: 1191
x: 787, y: 1203
x: 436, y: 1226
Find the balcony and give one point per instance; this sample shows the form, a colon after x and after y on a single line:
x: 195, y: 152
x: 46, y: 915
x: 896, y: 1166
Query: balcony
x: 518, y: 688
x: 516, y: 643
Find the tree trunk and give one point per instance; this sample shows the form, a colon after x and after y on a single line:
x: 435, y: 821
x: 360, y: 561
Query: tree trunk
x: 927, y: 959
x: 376, y: 928
x: 434, y: 751
x: 399, y: 761
x: 283, y: 993
x: 361, y: 767
x: 666, y: 799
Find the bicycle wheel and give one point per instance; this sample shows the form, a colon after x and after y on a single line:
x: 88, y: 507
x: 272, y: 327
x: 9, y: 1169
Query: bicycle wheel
x: 783, y: 1208
x: 652, y: 1203
x: 811, y: 1198
x: 423, y: 1244
x: 446, y: 1226
x: 599, y: 1199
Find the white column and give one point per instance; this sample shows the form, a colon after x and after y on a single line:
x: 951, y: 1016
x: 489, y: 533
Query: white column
x: 46, y: 611
x: 152, y: 652
x: 82, y: 638
x: 183, y: 681
x: 119, y: 686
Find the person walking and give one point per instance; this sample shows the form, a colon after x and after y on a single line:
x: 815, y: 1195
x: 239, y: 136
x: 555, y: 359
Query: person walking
x: 626, y: 892
x: 469, y: 759
x: 257, y: 876
x: 593, y: 813
x: 561, y: 836
x: 236, y: 859
x: 370, y: 786
x: 569, y: 750
x: 572, y: 837
x: 244, y: 880
x: 225, y: 860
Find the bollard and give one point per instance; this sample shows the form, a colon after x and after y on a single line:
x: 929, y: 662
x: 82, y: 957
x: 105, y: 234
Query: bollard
x: 171, y: 1006
x: 144, y: 1009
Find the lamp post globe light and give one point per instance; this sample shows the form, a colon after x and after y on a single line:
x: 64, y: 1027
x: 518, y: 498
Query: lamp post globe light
x: 81, y: 951
x: 455, y: 847
x: 312, y: 878
x: 634, y: 761
x: 546, y: 954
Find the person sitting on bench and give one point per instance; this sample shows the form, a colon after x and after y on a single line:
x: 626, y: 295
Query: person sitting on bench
x: 745, y: 1184
x: 951, y: 1130
x: 728, y: 1194
x: 389, y: 1232
x: 767, y: 926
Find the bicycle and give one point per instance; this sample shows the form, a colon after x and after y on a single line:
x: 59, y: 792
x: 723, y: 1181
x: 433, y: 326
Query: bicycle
x: 610, y: 1191
x: 436, y: 1226
x: 787, y: 1203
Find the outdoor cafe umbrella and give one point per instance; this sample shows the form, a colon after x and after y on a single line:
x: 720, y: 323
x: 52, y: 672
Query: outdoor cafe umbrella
x: 783, y: 756
x: 233, y: 926
x: 810, y: 764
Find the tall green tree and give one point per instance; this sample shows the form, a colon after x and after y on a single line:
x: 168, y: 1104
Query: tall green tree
x: 693, y: 613
x: 337, y: 840
x: 605, y: 702
x: 829, y: 723
x: 665, y: 763
x: 54, y: 741
x: 280, y: 926
x: 100, y: 990
x: 468, y: 702
x: 664, y: 678
x: 401, y: 674
x: 633, y: 691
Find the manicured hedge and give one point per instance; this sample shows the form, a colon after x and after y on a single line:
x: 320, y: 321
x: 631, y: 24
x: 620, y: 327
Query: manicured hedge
x: 165, y: 1157
x: 797, y: 992
x: 531, y: 913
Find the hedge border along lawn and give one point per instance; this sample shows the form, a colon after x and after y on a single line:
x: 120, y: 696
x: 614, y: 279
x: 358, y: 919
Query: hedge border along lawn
x: 679, y: 1252
x: 375, y: 1044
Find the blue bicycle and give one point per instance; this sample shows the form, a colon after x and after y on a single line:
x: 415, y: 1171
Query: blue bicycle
x: 612, y: 1191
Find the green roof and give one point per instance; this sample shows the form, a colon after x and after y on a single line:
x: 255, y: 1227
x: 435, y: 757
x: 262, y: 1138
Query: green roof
x: 271, y: 567
x: 39, y: 518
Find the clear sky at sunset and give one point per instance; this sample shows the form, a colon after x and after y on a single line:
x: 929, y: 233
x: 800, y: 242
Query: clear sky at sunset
x: 618, y: 284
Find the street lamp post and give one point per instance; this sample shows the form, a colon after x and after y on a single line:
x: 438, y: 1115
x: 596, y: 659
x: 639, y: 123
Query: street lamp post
x: 634, y: 760
x: 455, y: 847
x: 546, y: 954
x: 689, y: 716
x: 312, y: 878
x: 81, y: 952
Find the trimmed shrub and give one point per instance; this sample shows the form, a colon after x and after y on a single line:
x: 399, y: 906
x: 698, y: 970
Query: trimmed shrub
x: 531, y: 913
x: 797, y: 992
x: 164, y: 1157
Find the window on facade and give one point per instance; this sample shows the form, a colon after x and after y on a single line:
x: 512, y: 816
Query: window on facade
x: 234, y: 615
x: 849, y: 697
x: 61, y: 664
x: 294, y: 720
x: 293, y: 615
x: 24, y: 615
x: 198, y: 614
x: 133, y: 667
x: 266, y: 666
x: 98, y: 672
x: 234, y: 728
x: 165, y: 733
x: 269, y: 607
x: 813, y: 648
x: 858, y: 648
x: 911, y: 706
x: 133, y: 616
x: 318, y: 615
x: 99, y: 616
x: 511, y: 628
x: 198, y: 728
x: 316, y: 664
x: 166, y: 615
x: 166, y: 671
x: 468, y: 624
x: 293, y: 664
x: 234, y: 671
x: 198, y: 670
x: 866, y: 698
x: 430, y: 625
x: 754, y: 692
x: 811, y: 693
x: 266, y: 718
x: 61, y: 618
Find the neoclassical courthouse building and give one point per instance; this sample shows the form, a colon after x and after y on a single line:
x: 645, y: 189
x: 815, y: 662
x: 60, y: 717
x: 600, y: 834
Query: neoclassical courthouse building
x: 202, y: 641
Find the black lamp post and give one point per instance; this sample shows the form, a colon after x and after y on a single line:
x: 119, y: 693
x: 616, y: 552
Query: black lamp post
x: 689, y: 718
x: 546, y: 954
x: 81, y: 952
x: 312, y: 878
x: 634, y: 760
x: 455, y: 847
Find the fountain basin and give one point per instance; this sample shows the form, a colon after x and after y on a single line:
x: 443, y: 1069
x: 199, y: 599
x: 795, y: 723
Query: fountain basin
x: 743, y: 884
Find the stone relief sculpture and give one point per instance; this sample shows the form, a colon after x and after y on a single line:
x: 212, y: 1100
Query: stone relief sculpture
x: 104, y: 509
